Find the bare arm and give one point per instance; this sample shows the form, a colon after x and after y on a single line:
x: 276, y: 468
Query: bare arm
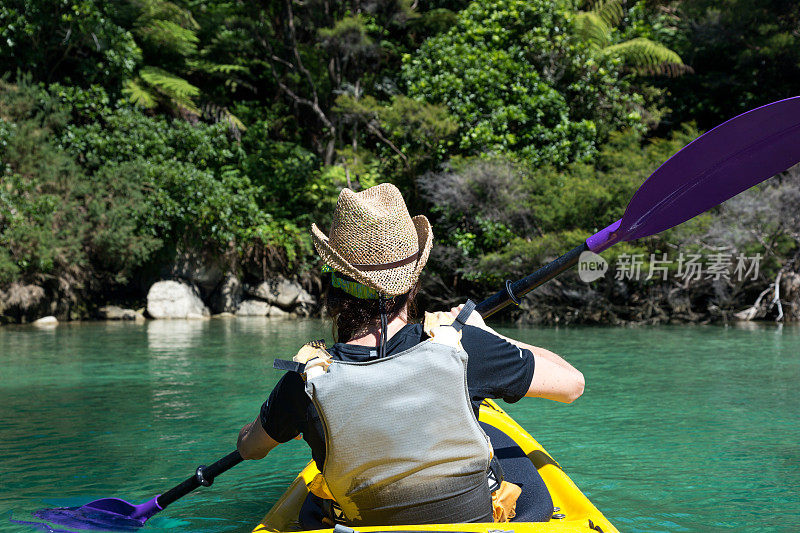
x: 254, y: 443
x: 553, y: 381
x: 553, y: 377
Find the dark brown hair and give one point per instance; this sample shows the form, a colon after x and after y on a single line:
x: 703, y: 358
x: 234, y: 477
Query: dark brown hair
x: 353, y: 316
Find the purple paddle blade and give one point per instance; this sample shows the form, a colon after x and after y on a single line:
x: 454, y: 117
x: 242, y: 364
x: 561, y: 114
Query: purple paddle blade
x: 718, y: 165
x: 115, y: 514
x: 107, y: 514
x: 115, y: 506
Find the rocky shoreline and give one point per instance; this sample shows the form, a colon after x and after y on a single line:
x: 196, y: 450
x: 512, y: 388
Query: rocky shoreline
x: 277, y: 297
x: 614, y: 303
x: 194, y: 288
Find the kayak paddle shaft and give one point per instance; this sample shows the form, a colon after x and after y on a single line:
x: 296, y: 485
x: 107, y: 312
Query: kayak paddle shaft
x: 513, y: 291
x: 204, y: 476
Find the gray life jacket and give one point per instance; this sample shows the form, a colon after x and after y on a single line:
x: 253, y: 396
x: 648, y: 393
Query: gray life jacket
x: 403, y: 445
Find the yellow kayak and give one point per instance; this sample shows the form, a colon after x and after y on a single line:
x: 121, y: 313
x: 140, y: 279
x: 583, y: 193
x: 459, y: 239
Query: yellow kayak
x: 575, y: 512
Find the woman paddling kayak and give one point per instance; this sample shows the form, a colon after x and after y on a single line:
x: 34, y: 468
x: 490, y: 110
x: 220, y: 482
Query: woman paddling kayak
x: 364, y: 406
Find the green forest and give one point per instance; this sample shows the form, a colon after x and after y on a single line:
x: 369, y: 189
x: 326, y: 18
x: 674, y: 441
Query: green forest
x: 134, y: 131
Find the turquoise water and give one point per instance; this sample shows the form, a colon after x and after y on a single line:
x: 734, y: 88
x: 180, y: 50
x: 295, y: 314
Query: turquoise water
x: 680, y: 428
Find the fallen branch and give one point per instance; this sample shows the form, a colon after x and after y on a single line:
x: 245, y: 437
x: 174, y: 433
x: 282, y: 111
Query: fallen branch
x: 777, y: 298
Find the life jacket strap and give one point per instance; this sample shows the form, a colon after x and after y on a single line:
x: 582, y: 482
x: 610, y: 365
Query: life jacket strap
x: 384, y: 327
x: 312, y: 354
x: 463, y: 316
x: 290, y: 366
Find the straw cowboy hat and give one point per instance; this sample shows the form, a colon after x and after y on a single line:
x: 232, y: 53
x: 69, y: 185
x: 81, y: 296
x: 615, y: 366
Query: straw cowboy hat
x: 375, y: 241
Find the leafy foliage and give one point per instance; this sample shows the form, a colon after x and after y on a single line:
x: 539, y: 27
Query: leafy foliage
x: 746, y: 53
x: 129, y: 128
x: 63, y: 40
x: 411, y: 134
x: 516, y: 80
x: 640, y: 54
x: 502, y: 219
x: 143, y: 185
x: 282, y: 169
x: 645, y: 56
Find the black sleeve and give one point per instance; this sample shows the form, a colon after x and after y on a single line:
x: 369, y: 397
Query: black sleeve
x: 496, y: 368
x: 283, y: 414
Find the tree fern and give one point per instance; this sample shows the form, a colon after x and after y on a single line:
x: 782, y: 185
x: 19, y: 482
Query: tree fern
x: 594, y: 26
x: 164, y: 10
x: 139, y: 95
x: 647, y: 57
x: 167, y: 83
x: 186, y: 106
x: 169, y: 36
x: 164, y: 26
x: 178, y: 91
x: 592, y: 29
x: 610, y: 12
x: 214, y: 68
x: 218, y: 113
x: 642, y: 56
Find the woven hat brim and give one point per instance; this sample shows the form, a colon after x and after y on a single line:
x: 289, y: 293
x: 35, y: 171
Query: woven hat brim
x: 391, y: 282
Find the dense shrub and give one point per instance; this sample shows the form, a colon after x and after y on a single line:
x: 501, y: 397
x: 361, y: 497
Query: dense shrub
x: 504, y: 218
x: 196, y: 175
x: 64, y: 40
x: 125, y: 134
x: 516, y: 79
x: 285, y: 170
x: 106, y: 197
x: 39, y: 230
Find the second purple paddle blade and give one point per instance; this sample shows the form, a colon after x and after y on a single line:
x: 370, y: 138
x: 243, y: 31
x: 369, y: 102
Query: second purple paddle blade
x: 107, y: 514
x: 718, y: 165
x: 86, y: 518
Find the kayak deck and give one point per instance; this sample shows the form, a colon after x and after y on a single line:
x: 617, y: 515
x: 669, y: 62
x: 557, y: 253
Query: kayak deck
x: 577, y: 513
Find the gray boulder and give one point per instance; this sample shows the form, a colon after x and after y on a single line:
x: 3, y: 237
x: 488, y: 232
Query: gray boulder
x: 282, y: 292
x: 253, y: 308
x: 46, y: 321
x: 228, y: 295
x: 113, y: 312
x: 174, y: 299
